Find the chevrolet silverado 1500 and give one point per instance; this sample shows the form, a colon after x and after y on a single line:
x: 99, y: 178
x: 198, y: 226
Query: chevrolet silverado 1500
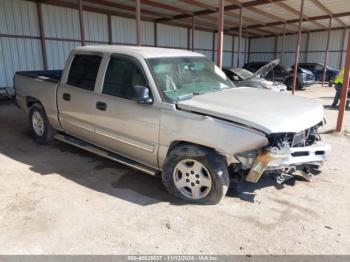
x: 173, y: 113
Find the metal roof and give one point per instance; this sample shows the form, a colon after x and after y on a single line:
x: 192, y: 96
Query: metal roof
x: 260, y: 17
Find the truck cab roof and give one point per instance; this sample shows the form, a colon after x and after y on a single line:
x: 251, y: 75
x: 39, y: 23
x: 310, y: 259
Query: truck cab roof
x: 145, y: 52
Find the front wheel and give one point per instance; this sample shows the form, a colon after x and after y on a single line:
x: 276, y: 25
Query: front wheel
x: 196, y: 174
x: 42, y: 130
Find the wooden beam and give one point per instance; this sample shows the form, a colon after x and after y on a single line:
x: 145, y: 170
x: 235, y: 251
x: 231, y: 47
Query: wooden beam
x: 138, y: 22
x: 200, y: 4
x: 268, y: 30
x: 307, y: 47
x: 327, y: 11
x: 81, y: 22
x: 296, y: 12
x: 233, y: 51
x: 259, y: 11
x: 297, y: 52
x: 193, y: 30
x: 345, y: 88
x: 215, y: 19
x: 276, y: 47
x: 161, y: 5
x: 156, y: 34
x: 249, y: 44
x: 110, y: 33
x: 283, y: 42
x: 126, y: 7
x: 220, y: 43
x: 227, y: 8
x: 342, y: 48
x: 327, y: 49
x: 293, y: 21
x: 213, y: 50
x: 240, y: 34
x: 92, y: 9
x: 246, y: 46
x: 42, y: 35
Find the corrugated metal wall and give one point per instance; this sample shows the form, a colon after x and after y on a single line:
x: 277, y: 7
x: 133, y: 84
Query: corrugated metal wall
x: 172, y: 36
x: 229, y: 59
x: 20, y: 46
x: 265, y: 49
x: 18, y: 18
x: 203, y: 42
x: 61, y: 23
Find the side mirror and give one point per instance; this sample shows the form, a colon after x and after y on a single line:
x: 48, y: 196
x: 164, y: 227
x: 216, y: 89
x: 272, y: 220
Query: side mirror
x: 143, y: 95
x: 235, y: 78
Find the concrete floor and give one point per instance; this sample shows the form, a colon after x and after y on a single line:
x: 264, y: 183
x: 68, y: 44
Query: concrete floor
x: 58, y: 199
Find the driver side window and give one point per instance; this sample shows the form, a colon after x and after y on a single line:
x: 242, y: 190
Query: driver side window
x: 121, y: 76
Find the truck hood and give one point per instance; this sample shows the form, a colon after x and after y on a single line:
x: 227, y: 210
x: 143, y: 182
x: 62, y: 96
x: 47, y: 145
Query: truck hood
x: 259, y: 82
x: 266, y: 111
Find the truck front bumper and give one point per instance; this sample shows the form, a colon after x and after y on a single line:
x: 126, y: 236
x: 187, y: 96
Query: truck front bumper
x: 286, y: 158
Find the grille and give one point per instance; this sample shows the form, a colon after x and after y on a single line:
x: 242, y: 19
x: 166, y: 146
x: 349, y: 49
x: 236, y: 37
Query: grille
x: 306, y: 137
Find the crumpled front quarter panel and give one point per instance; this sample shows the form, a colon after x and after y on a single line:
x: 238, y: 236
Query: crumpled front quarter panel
x: 224, y: 137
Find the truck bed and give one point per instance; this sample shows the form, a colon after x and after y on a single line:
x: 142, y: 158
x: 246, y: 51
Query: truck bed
x: 47, y: 75
x: 38, y: 86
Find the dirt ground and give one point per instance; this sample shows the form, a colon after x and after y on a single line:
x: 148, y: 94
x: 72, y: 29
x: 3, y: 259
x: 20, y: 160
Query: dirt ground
x: 58, y: 199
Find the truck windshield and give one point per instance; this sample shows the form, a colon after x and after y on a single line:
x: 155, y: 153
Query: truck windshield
x: 181, y: 78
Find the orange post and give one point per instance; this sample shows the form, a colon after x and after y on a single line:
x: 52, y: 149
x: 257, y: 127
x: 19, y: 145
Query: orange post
x: 240, y: 34
x: 138, y: 22
x: 220, y: 33
x: 326, y: 53
x: 81, y: 23
x: 297, y: 52
x: 344, y: 92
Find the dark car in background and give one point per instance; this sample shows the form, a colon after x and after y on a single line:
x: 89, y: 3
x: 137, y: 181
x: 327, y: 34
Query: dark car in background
x: 284, y: 74
x: 317, y: 70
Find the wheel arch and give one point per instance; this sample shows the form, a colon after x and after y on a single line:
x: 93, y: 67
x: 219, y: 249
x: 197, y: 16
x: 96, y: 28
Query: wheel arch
x: 178, y: 143
x: 30, y: 101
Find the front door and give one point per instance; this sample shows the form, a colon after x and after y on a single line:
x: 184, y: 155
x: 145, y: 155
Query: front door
x: 122, y: 125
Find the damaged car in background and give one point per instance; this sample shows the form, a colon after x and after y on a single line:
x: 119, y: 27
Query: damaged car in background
x: 283, y: 74
x: 243, y: 77
x: 172, y: 113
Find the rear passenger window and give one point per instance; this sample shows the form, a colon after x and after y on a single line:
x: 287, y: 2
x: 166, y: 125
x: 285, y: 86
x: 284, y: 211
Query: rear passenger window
x: 83, y: 71
x: 121, y: 76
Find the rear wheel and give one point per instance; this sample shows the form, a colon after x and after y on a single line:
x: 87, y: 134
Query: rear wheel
x: 196, y: 174
x: 42, y: 130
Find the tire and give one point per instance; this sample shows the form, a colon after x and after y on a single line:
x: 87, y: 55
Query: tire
x: 40, y: 126
x: 212, y: 174
x: 289, y: 83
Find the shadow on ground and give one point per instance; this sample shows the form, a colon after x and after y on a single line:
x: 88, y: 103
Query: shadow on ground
x: 90, y: 170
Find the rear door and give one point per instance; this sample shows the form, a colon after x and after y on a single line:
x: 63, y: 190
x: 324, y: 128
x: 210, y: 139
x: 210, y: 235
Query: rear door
x: 122, y: 125
x: 76, y: 96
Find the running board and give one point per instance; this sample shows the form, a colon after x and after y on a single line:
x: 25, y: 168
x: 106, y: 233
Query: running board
x: 104, y: 153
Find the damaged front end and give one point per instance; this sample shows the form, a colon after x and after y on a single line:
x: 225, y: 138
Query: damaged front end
x: 287, y: 155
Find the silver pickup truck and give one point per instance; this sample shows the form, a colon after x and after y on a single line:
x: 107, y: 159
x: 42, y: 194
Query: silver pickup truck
x: 173, y: 113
